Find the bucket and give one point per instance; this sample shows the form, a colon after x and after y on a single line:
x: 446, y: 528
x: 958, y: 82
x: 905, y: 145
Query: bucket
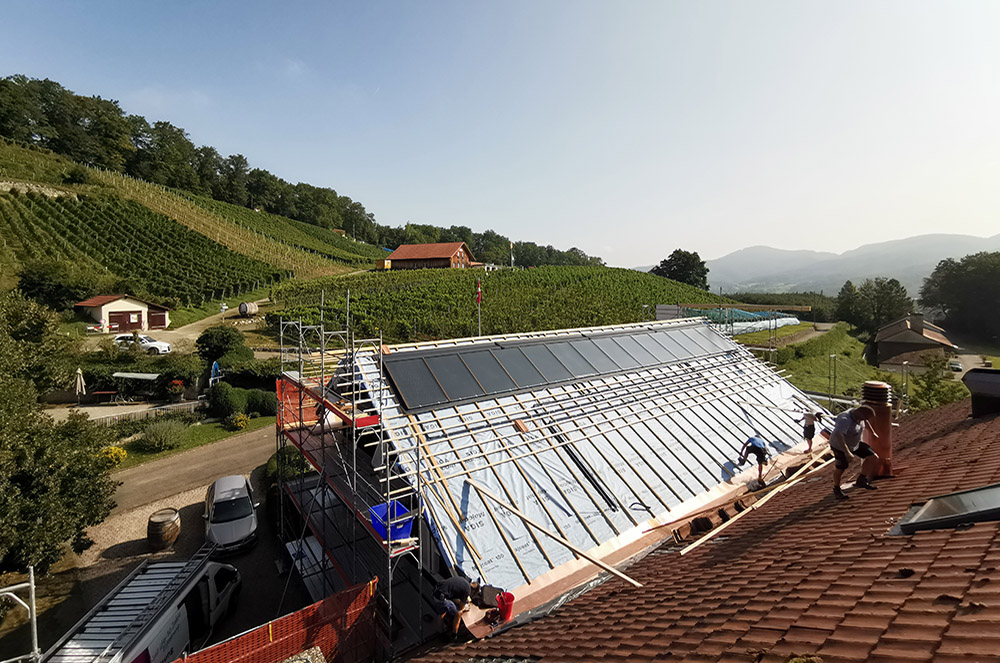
x: 382, y: 513
x: 163, y: 528
x: 505, y: 602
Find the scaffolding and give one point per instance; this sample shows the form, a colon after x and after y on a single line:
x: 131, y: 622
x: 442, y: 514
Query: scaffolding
x: 352, y: 518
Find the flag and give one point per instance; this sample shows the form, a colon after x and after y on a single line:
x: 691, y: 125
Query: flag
x: 479, y: 292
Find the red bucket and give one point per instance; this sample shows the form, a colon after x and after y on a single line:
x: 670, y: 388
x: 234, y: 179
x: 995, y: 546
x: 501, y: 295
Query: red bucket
x: 505, y: 602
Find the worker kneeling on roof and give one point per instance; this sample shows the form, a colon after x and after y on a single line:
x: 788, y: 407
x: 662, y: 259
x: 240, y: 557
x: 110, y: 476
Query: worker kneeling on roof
x: 451, y: 597
x: 758, y: 447
x: 846, y: 436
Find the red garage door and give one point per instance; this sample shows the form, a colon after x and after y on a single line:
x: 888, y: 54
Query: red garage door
x: 157, y: 319
x: 125, y: 321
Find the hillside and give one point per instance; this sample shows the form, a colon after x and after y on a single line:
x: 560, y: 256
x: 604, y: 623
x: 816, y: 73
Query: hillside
x: 175, y: 248
x: 432, y: 304
x: 910, y: 260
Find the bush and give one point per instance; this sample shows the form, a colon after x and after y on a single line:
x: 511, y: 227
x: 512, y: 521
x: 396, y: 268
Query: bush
x: 114, y: 456
x: 264, y: 403
x: 236, y: 358
x: 225, y: 400
x: 217, y: 341
x: 162, y: 436
x: 237, y: 421
x: 291, y: 463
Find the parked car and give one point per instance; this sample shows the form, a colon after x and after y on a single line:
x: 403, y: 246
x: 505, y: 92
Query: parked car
x: 230, y: 515
x: 150, y: 345
x: 956, y: 365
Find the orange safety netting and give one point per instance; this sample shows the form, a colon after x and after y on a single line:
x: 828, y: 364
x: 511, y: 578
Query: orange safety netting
x: 341, y: 625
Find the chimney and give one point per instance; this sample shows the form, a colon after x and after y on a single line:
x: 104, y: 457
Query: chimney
x: 878, y: 396
x: 984, y: 383
x: 917, y: 323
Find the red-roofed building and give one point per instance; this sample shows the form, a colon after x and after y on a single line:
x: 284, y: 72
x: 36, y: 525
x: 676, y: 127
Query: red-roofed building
x: 124, y: 313
x: 455, y: 255
x: 804, y: 575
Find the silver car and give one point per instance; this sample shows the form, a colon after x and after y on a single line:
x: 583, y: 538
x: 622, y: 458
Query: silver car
x: 230, y: 515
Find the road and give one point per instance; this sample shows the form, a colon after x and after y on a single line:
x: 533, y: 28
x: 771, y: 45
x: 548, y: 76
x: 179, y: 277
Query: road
x: 198, y: 467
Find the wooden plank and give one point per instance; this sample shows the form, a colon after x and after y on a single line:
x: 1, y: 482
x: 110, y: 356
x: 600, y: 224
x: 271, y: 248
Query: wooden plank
x: 483, y: 490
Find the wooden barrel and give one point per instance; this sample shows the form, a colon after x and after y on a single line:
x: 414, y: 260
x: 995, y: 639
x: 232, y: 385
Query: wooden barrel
x: 248, y: 309
x: 163, y: 528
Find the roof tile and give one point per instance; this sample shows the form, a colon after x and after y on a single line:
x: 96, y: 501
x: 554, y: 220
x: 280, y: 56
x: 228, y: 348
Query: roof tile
x: 806, y: 575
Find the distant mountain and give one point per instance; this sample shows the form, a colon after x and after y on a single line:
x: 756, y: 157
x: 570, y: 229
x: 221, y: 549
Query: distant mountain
x: 910, y: 260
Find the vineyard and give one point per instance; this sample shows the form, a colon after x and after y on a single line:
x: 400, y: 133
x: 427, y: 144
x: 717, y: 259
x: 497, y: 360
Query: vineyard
x: 121, y: 237
x: 300, y: 235
x: 431, y: 304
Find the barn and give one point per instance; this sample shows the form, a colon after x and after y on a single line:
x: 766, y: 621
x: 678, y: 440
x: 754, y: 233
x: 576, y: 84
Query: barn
x: 444, y: 255
x: 124, y: 313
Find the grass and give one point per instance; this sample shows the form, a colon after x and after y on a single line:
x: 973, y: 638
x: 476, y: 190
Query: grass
x: 813, y: 373
x: 762, y: 337
x: 185, y: 316
x: 196, y: 436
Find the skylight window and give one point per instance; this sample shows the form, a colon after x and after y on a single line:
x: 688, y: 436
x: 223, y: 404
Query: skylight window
x: 953, y: 509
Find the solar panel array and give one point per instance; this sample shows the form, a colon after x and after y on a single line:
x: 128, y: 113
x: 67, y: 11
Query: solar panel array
x: 436, y: 377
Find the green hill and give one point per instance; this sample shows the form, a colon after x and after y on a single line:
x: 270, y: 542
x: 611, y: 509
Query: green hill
x: 177, y: 248
x: 441, y: 303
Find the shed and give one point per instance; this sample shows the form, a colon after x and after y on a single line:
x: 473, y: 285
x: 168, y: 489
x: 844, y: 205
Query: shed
x: 124, y: 313
x: 455, y: 255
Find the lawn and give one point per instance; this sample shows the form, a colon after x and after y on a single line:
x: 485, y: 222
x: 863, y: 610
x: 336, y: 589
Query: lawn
x: 762, y: 337
x: 185, y: 316
x: 197, y: 436
x: 813, y: 373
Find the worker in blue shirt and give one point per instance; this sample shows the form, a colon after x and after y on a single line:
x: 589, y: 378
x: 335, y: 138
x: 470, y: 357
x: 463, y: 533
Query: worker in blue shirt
x: 758, y: 447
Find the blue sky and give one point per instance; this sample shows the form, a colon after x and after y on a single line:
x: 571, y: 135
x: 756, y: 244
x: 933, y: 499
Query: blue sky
x: 627, y: 129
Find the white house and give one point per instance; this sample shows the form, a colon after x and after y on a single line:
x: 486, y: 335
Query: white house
x: 124, y: 313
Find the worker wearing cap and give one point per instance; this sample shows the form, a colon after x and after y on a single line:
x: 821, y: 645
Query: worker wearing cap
x: 846, y: 437
x: 451, y: 597
x: 758, y: 447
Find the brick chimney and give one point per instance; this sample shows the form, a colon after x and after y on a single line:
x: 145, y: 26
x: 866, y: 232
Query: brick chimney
x: 917, y: 323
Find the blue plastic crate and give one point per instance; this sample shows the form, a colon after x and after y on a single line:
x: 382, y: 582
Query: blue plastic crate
x: 380, y: 514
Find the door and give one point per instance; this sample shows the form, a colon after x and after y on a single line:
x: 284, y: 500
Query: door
x: 157, y: 319
x: 125, y: 321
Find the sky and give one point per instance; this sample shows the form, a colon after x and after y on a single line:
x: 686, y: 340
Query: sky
x: 626, y: 129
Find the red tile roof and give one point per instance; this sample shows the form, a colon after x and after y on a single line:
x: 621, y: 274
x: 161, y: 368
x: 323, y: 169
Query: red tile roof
x: 100, y: 300
x: 805, y: 575
x: 428, y: 251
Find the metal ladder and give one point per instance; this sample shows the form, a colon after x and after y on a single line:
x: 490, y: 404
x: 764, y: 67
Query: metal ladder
x: 142, y: 621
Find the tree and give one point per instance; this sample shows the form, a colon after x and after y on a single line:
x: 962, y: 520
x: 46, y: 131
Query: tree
x: 217, y: 341
x: 881, y: 301
x: 934, y: 387
x: 31, y: 347
x: 849, y: 305
x: 54, y: 481
x: 58, y: 284
x: 684, y: 266
x: 967, y: 293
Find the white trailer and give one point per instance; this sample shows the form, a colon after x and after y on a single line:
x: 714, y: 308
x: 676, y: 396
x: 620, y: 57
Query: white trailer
x: 154, y: 615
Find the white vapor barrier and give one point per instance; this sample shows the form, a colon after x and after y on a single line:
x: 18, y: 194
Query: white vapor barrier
x: 600, y: 458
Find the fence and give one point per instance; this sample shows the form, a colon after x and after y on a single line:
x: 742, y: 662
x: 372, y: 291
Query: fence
x: 139, y: 415
x: 341, y: 625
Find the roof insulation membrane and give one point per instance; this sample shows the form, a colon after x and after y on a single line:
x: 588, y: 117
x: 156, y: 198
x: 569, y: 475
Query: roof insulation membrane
x: 592, y: 434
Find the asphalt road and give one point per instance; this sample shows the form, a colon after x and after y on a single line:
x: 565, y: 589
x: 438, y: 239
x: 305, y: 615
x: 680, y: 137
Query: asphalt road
x: 175, y: 474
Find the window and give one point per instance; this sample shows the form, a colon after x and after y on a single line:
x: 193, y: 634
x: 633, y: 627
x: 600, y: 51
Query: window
x: 133, y: 318
x: 967, y: 506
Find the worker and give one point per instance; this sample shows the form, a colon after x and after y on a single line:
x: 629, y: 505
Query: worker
x: 452, y: 596
x: 809, y: 421
x: 846, y: 437
x: 758, y: 447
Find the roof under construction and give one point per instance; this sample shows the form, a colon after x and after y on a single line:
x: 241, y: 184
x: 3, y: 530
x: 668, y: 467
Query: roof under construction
x: 521, y: 444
